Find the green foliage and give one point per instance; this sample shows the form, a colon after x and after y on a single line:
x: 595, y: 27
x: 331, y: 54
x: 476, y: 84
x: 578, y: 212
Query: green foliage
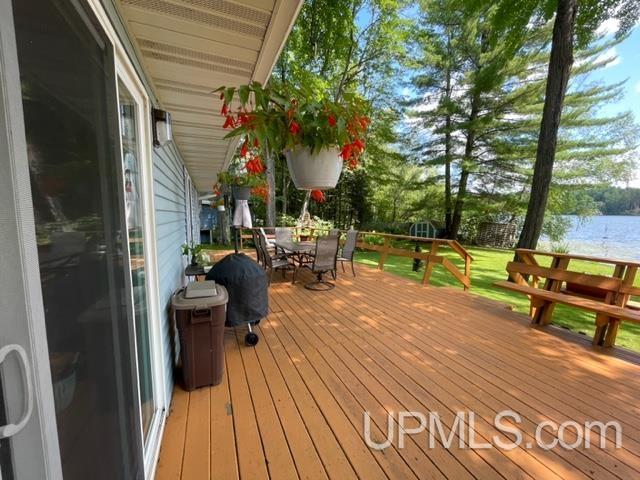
x: 241, y: 179
x: 463, y: 60
x: 614, y: 200
x: 192, y: 249
x: 276, y: 120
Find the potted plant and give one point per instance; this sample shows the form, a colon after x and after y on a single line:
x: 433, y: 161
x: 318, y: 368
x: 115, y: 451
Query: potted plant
x: 245, y: 176
x: 193, y: 250
x: 241, y: 184
x: 316, y: 136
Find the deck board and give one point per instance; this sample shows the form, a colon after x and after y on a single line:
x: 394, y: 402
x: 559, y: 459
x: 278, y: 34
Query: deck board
x: 292, y: 407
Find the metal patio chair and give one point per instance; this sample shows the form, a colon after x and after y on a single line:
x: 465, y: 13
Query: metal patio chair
x: 277, y: 262
x: 348, y: 250
x: 258, y: 247
x: 324, y: 261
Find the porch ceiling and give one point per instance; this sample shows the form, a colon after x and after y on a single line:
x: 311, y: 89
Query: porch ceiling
x: 190, y: 47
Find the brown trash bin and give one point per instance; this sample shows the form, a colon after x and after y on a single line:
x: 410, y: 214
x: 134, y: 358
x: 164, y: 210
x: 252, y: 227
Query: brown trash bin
x: 200, y: 324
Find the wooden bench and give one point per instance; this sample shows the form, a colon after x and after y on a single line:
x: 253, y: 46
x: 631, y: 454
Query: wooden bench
x: 606, y: 296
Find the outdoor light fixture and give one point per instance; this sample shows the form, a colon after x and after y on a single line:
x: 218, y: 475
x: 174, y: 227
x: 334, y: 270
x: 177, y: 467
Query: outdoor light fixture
x: 161, y: 127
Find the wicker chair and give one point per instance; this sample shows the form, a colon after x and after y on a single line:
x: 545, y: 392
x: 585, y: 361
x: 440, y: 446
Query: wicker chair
x: 278, y: 262
x: 348, y: 250
x: 324, y: 261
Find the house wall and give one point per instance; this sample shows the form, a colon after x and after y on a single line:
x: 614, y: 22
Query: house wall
x: 172, y: 212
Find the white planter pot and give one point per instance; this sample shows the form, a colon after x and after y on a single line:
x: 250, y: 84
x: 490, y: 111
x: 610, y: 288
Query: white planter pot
x: 220, y: 208
x: 318, y: 171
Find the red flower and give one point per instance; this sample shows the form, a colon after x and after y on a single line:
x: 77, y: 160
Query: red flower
x: 244, y: 149
x: 346, y: 152
x: 256, y: 142
x: 364, y: 122
x: 229, y: 122
x: 358, y: 144
x: 294, y: 128
x: 225, y: 109
x: 332, y: 120
x: 255, y: 166
x: 261, y: 192
x: 318, y: 196
x: 221, y: 95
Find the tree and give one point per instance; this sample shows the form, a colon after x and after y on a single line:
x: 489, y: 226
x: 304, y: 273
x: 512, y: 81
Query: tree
x: 574, y: 21
x: 560, y: 62
x: 340, y: 46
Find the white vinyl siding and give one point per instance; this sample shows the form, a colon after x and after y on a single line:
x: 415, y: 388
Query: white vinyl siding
x: 172, y: 210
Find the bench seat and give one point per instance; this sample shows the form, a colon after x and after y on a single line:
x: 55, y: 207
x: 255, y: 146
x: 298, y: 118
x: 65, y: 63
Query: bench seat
x: 579, y: 302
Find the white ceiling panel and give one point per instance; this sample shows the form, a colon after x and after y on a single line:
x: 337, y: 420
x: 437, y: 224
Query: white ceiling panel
x: 190, y: 47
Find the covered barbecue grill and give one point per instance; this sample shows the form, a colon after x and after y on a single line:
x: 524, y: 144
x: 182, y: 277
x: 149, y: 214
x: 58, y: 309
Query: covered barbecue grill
x: 247, y: 285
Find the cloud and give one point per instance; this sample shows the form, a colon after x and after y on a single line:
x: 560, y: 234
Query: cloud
x: 611, y: 56
x: 608, y: 27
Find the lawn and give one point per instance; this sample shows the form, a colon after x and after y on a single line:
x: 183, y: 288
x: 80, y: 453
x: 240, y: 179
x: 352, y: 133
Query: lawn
x: 489, y: 266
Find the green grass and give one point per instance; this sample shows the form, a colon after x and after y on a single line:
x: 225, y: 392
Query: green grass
x: 488, y: 267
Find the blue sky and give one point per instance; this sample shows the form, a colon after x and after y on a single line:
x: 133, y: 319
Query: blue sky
x: 626, y: 67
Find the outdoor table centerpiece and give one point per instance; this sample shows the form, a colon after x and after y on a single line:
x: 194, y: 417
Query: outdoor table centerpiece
x: 317, y: 137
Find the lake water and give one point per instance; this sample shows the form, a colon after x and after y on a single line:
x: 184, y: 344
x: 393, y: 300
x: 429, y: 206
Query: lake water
x: 608, y: 236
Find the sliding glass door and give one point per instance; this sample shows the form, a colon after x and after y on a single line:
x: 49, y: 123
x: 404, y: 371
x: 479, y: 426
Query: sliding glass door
x: 87, y: 230
x: 130, y: 137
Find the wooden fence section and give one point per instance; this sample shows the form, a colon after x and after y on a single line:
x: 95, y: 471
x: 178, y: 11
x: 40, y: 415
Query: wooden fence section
x: 431, y: 257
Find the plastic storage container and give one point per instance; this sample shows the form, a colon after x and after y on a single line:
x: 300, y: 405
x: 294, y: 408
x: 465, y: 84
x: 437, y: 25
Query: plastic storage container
x: 200, y: 324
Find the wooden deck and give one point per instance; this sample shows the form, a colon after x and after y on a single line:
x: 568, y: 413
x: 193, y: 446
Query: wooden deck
x: 292, y: 407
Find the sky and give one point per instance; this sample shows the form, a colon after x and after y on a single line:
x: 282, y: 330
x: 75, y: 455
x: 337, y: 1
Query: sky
x: 626, y: 66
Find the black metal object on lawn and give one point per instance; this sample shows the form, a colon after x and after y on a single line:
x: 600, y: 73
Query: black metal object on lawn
x: 247, y: 286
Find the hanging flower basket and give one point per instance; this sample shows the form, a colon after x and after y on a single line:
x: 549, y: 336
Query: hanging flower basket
x: 317, y: 134
x: 314, y: 171
x: 240, y: 192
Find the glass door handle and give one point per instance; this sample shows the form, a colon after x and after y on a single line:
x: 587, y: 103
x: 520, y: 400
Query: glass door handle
x: 11, y: 429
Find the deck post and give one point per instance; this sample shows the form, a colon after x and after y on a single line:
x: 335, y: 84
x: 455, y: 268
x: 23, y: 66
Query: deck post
x: 384, y: 253
x: 543, y: 314
x: 428, y: 268
x: 467, y: 271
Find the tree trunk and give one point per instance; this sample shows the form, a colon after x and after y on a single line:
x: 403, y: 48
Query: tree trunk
x: 447, y: 147
x: 271, y: 185
x: 560, y: 63
x: 447, y: 175
x: 285, y: 192
x: 305, y: 207
x: 456, y: 220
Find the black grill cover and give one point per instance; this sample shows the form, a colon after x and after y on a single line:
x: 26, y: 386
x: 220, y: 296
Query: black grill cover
x: 246, y: 284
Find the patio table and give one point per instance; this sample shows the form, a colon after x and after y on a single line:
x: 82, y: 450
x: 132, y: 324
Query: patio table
x: 297, y: 250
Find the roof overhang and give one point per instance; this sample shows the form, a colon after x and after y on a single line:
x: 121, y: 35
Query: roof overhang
x: 190, y: 47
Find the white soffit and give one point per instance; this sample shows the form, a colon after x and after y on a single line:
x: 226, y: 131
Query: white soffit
x: 189, y: 48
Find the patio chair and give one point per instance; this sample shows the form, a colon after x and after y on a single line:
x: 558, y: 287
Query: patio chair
x: 256, y: 243
x: 348, y: 250
x: 270, y: 242
x: 277, y: 262
x: 334, y: 232
x: 283, y: 235
x: 324, y: 261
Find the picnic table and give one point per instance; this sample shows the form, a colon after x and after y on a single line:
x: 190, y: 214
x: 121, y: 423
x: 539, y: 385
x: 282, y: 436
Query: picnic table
x: 605, y: 295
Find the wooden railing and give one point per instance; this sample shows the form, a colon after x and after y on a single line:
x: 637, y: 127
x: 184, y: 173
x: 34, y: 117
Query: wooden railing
x: 431, y: 257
